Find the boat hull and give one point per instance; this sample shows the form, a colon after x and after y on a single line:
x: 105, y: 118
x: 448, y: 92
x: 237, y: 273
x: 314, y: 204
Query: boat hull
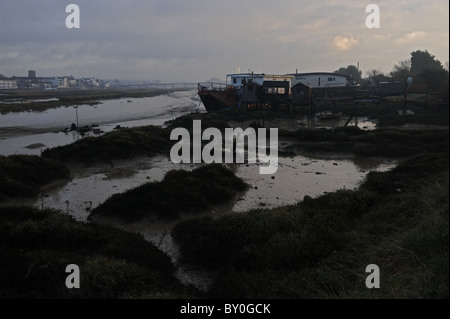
x: 216, y: 101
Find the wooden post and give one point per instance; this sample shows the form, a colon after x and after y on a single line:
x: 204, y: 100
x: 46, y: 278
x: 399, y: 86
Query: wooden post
x: 405, y: 100
x: 76, y: 113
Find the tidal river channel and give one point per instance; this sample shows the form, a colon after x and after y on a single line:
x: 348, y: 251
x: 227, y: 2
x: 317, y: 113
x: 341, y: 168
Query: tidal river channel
x: 297, y: 176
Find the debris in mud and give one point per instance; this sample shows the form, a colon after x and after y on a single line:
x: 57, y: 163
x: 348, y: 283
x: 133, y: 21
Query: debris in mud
x: 35, y: 145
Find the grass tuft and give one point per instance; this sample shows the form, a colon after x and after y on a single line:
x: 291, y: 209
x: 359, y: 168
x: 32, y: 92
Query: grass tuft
x: 179, y: 192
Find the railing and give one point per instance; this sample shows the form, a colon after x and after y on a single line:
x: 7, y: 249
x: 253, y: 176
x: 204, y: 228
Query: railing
x: 208, y: 86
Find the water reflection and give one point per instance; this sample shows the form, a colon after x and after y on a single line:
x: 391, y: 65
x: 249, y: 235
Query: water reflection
x: 18, y: 130
x: 157, y: 107
x: 296, y: 177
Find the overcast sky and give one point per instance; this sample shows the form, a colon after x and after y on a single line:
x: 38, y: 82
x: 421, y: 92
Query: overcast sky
x: 194, y: 40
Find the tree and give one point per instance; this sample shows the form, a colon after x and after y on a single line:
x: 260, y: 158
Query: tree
x: 351, y: 70
x: 376, y: 76
x: 421, y: 60
x: 436, y: 80
x: 401, y: 71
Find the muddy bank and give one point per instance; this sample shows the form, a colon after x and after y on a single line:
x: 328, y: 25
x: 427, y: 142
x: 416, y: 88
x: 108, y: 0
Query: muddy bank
x: 53, y: 127
x: 41, y: 100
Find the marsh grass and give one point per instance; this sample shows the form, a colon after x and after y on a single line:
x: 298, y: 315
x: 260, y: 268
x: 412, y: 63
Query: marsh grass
x: 37, y: 245
x: 23, y: 175
x: 179, y: 192
x: 129, y: 142
x: 151, y: 140
x: 319, y: 248
x: 119, y: 144
x: 215, y: 120
x: 382, y: 142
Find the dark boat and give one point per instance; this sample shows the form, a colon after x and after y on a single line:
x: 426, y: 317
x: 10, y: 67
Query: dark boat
x: 217, y: 97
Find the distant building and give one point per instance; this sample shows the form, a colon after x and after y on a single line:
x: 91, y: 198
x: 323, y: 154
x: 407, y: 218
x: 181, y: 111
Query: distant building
x: 8, y: 84
x: 321, y: 79
x: 63, y: 82
x: 33, y: 82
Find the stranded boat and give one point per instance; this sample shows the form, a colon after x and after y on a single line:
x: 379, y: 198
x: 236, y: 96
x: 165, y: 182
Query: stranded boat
x: 249, y: 91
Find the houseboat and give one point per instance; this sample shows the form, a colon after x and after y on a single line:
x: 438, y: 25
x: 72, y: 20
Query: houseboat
x: 247, y: 91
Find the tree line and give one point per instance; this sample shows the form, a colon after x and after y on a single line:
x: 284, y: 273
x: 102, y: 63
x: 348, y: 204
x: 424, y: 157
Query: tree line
x: 422, y: 66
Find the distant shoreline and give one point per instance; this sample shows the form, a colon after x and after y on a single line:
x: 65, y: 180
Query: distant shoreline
x: 19, y: 99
